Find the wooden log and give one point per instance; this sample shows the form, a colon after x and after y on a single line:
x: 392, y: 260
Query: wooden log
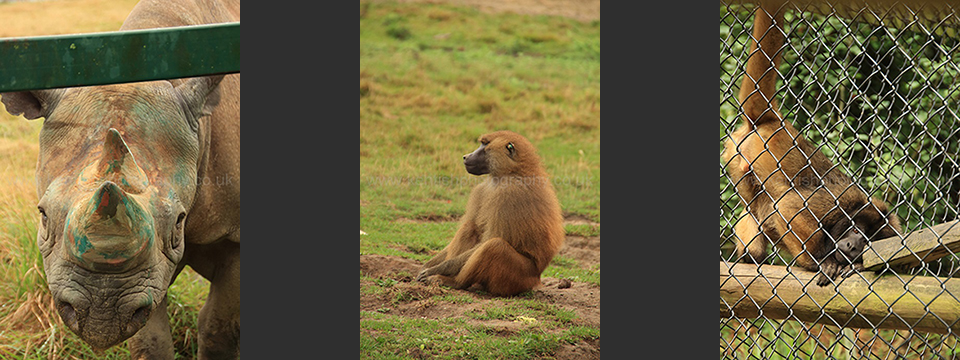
x: 864, y: 300
x: 915, y: 248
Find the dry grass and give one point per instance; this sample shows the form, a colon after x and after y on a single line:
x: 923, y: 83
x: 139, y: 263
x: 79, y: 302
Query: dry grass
x: 62, y: 17
x: 582, y: 10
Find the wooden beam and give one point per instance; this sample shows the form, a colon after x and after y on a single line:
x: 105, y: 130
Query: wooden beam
x: 864, y: 300
x: 915, y: 248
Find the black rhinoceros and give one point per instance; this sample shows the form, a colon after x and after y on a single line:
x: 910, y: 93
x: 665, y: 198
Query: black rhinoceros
x: 136, y: 181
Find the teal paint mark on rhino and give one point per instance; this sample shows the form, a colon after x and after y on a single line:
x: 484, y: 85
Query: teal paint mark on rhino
x: 138, y: 215
x: 82, y: 243
x: 180, y: 179
x: 114, y: 166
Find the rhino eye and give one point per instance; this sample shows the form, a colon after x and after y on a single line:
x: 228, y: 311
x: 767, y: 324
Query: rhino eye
x: 43, y: 216
x: 180, y: 221
x: 178, y: 235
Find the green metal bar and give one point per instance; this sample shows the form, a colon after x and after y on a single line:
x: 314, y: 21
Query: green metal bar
x: 45, y: 62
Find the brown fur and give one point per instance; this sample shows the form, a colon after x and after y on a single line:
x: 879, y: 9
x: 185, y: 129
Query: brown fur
x: 512, y: 227
x: 792, y: 194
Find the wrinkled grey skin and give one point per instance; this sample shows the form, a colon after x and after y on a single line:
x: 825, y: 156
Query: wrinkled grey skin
x: 134, y: 182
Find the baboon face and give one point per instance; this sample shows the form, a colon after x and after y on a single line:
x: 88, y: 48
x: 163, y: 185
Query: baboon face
x: 501, y: 153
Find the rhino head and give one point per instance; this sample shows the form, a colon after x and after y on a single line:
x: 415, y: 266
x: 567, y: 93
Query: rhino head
x: 116, y: 176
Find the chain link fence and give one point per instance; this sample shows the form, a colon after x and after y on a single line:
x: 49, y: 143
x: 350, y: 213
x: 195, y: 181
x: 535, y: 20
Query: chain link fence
x: 877, y: 90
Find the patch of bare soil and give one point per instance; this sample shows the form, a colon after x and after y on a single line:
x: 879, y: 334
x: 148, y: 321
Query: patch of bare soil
x: 578, y: 220
x: 585, y: 250
x: 409, y: 298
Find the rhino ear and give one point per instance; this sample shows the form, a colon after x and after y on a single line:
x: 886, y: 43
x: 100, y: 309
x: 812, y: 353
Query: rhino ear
x: 32, y: 104
x: 199, y: 96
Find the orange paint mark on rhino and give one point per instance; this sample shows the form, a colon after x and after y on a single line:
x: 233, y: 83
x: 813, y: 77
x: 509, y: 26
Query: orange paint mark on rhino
x: 104, y: 202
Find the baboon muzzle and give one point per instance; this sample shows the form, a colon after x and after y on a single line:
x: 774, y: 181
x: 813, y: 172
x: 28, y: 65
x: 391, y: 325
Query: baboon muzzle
x: 476, y: 162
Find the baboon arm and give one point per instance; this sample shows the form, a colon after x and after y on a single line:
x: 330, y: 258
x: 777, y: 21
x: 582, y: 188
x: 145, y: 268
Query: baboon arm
x: 451, y: 266
x: 467, y: 236
x: 439, y: 258
x: 469, y: 233
x: 451, y: 258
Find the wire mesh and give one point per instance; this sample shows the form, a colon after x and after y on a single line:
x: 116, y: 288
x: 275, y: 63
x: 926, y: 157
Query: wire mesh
x: 876, y: 90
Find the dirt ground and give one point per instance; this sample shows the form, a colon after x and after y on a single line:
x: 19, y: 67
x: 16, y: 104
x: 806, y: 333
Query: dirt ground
x: 582, y: 298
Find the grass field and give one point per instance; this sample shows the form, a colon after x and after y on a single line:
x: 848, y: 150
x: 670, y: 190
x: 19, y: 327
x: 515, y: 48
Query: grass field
x: 29, y: 325
x: 433, y: 78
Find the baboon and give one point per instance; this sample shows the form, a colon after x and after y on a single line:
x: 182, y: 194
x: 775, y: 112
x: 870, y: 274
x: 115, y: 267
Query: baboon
x: 791, y: 193
x: 512, y: 226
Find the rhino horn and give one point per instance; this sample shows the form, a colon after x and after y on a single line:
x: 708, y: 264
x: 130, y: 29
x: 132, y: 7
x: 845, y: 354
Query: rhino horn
x: 118, y: 165
x: 111, y: 232
x: 108, y: 198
